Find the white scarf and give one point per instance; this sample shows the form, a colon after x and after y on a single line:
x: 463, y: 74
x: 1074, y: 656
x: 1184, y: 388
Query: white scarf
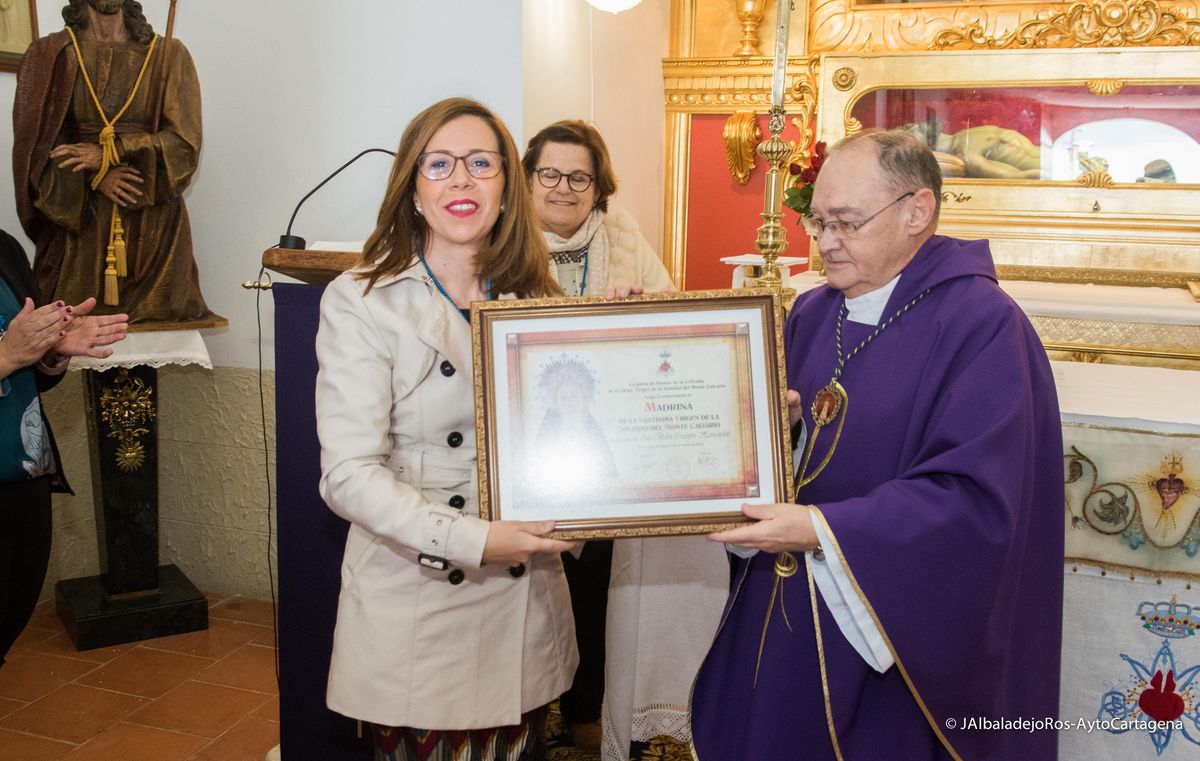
x: 592, y: 235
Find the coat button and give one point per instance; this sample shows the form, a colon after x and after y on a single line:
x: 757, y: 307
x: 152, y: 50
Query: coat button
x: 517, y: 571
x: 447, y: 368
x: 458, y: 502
x: 454, y: 439
x: 456, y: 576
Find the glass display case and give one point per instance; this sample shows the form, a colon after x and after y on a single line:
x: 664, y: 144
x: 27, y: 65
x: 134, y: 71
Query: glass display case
x: 1079, y: 165
x: 1143, y: 133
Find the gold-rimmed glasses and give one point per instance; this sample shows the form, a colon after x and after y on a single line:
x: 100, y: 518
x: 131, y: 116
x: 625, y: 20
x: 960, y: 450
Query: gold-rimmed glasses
x: 843, y: 228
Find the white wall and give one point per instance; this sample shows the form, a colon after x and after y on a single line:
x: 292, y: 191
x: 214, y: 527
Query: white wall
x: 581, y: 63
x: 292, y: 89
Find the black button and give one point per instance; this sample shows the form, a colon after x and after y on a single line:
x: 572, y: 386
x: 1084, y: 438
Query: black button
x: 456, y: 576
x: 457, y: 502
x: 447, y: 368
x: 517, y: 571
x: 454, y: 439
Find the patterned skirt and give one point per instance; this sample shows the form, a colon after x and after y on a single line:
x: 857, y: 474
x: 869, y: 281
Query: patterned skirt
x: 521, y: 742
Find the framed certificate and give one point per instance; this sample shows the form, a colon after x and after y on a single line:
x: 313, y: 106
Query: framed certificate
x: 662, y: 414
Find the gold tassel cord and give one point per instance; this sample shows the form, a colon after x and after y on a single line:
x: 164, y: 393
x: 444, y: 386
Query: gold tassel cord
x: 115, y: 260
x: 812, y: 598
x: 786, y: 566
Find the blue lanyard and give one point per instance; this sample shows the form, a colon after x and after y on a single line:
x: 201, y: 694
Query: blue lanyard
x: 583, y: 283
x: 466, y: 313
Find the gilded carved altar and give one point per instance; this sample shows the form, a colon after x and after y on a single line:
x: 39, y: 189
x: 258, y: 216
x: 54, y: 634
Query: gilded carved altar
x: 1072, y: 209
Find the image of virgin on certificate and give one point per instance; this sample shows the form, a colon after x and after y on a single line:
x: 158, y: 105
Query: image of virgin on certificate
x: 632, y: 415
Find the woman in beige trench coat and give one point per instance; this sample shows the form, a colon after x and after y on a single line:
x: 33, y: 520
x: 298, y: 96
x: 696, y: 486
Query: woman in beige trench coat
x: 445, y: 622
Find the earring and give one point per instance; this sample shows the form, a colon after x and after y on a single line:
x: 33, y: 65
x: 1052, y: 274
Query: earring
x: 501, y: 207
x: 417, y: 206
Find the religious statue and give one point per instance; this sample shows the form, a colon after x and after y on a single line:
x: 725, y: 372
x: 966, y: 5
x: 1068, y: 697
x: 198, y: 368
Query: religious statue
x: 106, y: 139
x: 987, y: 151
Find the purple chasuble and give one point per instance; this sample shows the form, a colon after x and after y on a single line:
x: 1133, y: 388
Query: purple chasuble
x: 945, y: 500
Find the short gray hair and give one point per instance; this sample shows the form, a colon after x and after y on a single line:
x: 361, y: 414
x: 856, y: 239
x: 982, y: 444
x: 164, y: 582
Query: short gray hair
x: 907, y: 163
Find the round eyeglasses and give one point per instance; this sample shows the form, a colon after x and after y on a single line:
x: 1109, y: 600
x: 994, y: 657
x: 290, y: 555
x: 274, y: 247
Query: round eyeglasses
x: 841, y: 228
x: 550, y: 177
x: 438, y: 165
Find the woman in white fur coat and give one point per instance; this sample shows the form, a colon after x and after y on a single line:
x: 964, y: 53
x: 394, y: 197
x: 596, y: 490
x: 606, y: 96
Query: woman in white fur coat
x: 657, y: 599
x: 591, y: 248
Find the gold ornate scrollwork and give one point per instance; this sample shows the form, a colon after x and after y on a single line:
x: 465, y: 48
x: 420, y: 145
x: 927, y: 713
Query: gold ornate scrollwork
x: 949, y: 195
x: 125, y: 407
x: 742, y: 135
x: 804, y: 89
x: 852, y: 126
x: 845, y: 78
x: 749, y: 15
x: 1087, y: 357
x: 1094, y: 23
x: 1095, y: 179
x: 1105, y: 87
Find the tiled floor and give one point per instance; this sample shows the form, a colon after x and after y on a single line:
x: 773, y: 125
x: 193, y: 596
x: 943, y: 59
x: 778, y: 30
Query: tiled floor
x: 207, y: 696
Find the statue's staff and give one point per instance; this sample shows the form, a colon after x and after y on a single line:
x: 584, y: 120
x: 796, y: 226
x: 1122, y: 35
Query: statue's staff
x: 166, y: 65
x: 164, y: 68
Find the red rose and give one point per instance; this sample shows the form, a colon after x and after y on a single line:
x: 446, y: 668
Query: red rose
x: 809, y: 175
x: 795, y: 169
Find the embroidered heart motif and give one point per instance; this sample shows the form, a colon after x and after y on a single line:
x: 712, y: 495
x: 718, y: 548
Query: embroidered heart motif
x: 1160, y: 701
x: 1170, y: 489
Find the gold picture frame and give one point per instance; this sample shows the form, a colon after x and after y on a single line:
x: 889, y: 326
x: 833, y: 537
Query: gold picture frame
x: 18, y: 28
x: 657, y: 415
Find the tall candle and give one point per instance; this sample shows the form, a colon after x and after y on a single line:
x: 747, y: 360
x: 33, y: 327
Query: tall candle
x: 781, y: 46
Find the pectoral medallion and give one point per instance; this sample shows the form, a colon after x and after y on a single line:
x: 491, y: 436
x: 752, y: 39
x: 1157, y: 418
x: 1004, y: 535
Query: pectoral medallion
x: 828, y: 403
x: 828, y: 406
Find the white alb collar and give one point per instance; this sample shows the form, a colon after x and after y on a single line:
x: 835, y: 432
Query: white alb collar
x: 868, y: 308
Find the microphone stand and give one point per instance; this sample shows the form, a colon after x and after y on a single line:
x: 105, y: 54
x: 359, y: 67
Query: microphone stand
x: 287, y: 240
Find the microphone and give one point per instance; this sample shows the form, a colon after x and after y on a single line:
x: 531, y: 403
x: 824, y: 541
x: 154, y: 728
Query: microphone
x: 287, y: 240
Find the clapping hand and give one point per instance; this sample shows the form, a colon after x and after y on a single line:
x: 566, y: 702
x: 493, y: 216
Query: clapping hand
x: 86, y: 335
x: 32, y: 333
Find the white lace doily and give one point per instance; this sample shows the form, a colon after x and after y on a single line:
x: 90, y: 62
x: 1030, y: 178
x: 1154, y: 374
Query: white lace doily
x: 153, y: 348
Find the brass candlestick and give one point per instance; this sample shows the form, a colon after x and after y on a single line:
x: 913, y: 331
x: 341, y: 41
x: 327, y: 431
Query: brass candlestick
x: 772, y: 238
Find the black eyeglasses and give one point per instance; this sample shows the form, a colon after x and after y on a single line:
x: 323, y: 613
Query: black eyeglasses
x: 438, y: 165
x: 551, y: 177
x: 841, y: 228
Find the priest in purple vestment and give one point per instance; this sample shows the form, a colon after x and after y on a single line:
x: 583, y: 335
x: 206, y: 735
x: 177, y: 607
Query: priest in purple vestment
x: 914, y: 593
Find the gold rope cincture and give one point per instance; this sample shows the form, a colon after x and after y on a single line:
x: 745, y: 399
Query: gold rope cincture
x: 830, y: 404
x: 115, y: 263
x: 786, y: 566
x: 812, y: 598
